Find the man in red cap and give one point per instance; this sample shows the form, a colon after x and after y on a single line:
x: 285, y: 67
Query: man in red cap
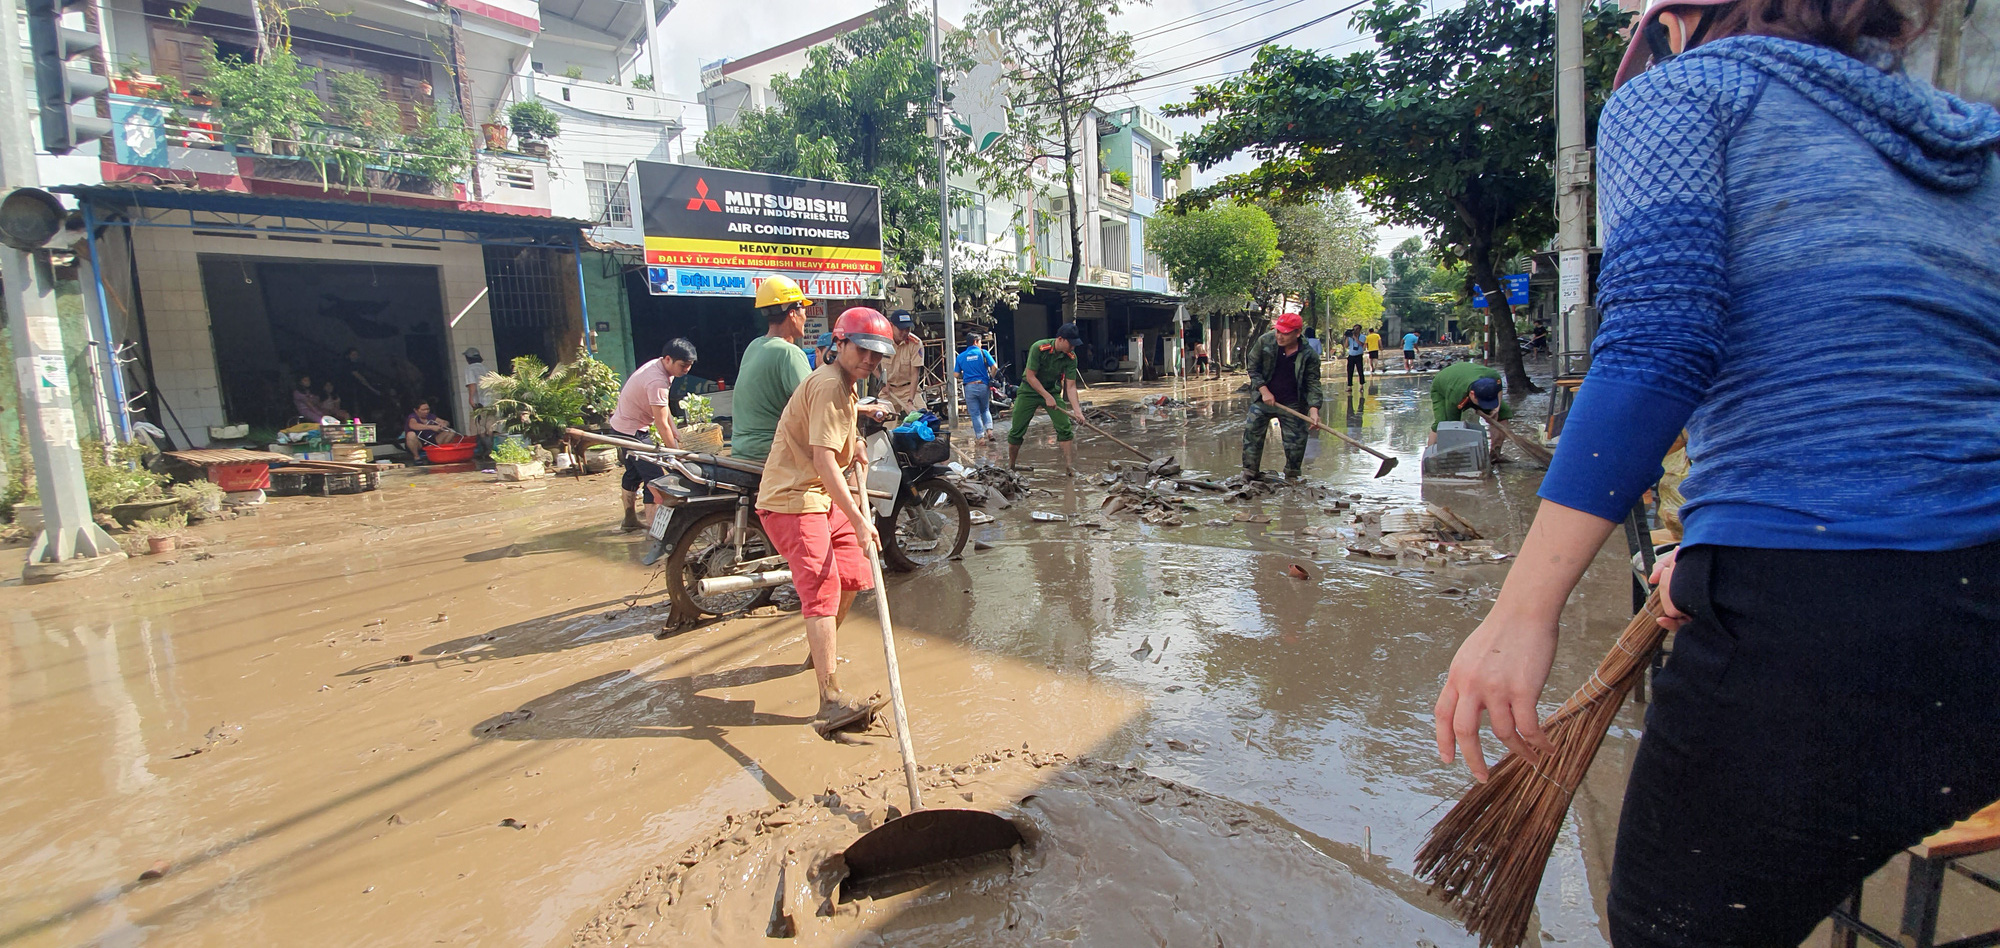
x: 1283, y: 372
x: 808, y: 510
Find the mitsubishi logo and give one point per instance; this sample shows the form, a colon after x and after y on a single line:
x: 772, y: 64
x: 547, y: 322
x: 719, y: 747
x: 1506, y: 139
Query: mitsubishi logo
x: 702, y: 200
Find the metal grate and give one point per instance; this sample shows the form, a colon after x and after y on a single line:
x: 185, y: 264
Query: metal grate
x: 525, y: 287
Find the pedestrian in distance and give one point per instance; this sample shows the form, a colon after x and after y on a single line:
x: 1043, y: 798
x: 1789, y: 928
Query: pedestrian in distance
x: 975, y: 372
x: 810, y: 512
x: 1356, y: 349
x: 645, y: 403
x: 1410, y: 340
x: 1051, y: 365
x: 1829, y: 700
x: 1283, y: 372
x: 823, y: 350
x: 1375, y: 351
x: 772, y: 367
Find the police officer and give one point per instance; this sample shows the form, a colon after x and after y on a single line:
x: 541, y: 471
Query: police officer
x: 1051, y: 366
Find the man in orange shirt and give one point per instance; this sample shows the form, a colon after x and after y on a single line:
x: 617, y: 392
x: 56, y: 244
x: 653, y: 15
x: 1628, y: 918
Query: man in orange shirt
x: 808, y: 509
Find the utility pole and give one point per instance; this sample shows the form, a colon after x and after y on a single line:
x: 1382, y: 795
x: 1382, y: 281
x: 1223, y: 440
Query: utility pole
x: 70, y: 542
x: 944, y: 226
x: 1573, y: 189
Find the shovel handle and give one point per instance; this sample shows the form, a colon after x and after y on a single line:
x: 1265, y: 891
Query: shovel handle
x: 903, y: 742
x: 1338, y: 434
x: 1114, y: 439
x: 1532, y: 449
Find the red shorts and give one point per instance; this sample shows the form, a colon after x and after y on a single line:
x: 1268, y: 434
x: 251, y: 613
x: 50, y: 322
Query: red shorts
x: 824, y: 555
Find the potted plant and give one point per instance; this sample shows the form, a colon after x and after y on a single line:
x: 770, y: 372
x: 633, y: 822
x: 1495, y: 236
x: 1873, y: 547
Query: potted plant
x: 535, y: 124
x: 199, y: 498
x: 541, y: 403
x: 514, y: 461
x: 496, y: 135
x: 159, y: 536
x: 267, y: 105
x: 573, y: 73
x: 701, y: 434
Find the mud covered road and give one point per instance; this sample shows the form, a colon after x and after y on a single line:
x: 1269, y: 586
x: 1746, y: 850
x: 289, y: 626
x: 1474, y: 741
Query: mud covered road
x: 438, y: 713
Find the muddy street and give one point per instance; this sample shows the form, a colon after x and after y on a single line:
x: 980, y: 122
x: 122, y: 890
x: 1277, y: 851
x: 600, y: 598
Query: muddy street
x: 438, y: 713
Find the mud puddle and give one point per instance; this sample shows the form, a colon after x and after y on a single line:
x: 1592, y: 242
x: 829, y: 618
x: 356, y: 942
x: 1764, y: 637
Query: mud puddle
x: 1112, y: 857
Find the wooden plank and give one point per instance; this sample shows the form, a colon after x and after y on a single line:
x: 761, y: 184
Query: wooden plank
x: 1978, y: 833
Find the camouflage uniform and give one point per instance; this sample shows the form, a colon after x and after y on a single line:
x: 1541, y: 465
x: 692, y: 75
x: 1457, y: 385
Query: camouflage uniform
x: 1262, y: 363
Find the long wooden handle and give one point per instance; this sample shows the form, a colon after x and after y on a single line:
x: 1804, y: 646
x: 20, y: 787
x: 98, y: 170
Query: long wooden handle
x: 1338, y: 434
x: 903, y: 742
x: 1534, y: 450
x: 1114, y: 439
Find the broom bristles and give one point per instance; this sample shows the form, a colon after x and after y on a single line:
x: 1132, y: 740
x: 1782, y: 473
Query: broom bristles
x: 1486, y: 857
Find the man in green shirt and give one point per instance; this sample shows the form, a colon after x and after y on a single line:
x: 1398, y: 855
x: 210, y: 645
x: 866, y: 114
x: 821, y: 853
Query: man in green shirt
x: 1461, y: 392
x: 1051, y: 368
x: 773, y: 366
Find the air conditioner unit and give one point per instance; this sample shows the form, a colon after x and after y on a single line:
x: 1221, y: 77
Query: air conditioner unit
x: 1059, y: 204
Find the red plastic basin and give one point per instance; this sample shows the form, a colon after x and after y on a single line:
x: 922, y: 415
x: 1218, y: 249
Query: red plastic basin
x: 457, y: 452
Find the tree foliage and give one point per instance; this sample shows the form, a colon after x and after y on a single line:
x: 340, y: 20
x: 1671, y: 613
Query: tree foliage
x: 1065, y: 56
x: 1448, y: 125
x: 1421, y: 291
x: 1219, y: 254
x: 855, y: 113
x: 1353, y: 304
x: 1323, y: 242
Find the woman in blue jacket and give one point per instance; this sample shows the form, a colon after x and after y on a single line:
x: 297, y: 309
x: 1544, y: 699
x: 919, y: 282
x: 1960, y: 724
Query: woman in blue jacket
x: 1802, y: 267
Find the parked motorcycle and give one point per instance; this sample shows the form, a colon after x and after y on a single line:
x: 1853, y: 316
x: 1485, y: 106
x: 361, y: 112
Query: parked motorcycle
x: 919, y: 510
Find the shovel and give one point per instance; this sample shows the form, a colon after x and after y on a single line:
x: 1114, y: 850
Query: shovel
x: 1114, y: 439
x: 922, y: 837
x: 1529, y: 448
x: 1388, y: 463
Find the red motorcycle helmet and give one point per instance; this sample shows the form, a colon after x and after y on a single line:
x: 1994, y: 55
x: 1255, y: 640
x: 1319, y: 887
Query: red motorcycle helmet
x: 866, y: 328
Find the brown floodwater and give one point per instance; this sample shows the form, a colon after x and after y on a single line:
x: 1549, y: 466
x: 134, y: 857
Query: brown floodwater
x: 438, y: 712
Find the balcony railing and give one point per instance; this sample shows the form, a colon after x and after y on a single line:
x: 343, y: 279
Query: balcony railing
x: 186, y: 137
x: 1114, y: 193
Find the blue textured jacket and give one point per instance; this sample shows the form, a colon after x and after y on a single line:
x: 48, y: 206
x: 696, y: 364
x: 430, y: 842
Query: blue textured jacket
x: 1802, y: 267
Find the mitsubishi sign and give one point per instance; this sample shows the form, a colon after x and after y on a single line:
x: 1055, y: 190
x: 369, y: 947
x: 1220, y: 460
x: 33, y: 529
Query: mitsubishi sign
x: 711, y: 219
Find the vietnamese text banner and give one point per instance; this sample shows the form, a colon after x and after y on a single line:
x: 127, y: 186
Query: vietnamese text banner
x: 695, y: 281
x: 717, y: 218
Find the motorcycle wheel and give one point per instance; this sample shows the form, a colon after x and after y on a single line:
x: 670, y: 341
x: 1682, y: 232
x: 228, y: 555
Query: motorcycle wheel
x: 705, y: 551
x: 930, y: 527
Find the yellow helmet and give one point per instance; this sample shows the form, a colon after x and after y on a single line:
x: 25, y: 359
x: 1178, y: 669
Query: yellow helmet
x: 778, y: 290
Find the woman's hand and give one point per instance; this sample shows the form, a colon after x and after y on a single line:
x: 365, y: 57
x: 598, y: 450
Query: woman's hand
x: 1499, y: 670
x: 1663, y: 580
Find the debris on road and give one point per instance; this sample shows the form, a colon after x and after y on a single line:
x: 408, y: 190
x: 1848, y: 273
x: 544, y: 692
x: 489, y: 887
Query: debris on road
x: 1149, y: 502
x: 1043, y: 516
x: 1296, y: 571
x: 992, y: 484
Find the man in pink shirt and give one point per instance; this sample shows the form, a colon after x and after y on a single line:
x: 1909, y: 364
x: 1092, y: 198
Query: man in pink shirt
x: 644, y: 402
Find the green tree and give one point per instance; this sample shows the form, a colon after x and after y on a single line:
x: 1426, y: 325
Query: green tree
x: 855, y: 113
x: 1354, y: 304
x: 1324, y: 241
x: 1446, y: 125
x: 1219, y: 254
x: 1065, y: 57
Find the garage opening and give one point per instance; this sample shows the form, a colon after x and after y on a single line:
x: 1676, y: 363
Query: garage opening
x: 274, y: 320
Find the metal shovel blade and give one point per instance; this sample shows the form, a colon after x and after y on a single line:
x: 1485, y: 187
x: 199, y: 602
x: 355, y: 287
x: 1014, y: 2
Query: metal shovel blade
x: 925, y: 838
x: 1388, y: 464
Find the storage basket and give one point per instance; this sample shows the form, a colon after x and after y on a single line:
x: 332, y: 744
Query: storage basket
x: 702, y: 439
x: 291, y: 483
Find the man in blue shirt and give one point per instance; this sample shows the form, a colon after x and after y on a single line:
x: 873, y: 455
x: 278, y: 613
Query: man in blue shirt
x: 1410, y: 351
x: 974, y: 369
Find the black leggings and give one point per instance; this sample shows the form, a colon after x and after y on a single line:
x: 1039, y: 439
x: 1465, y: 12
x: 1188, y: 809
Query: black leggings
x: 1822, y: 711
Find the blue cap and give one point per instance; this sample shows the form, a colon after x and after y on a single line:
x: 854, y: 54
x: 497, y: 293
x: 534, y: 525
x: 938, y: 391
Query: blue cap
x: 1486, y: 394
x: 826, y: 340
x: 902, y: 318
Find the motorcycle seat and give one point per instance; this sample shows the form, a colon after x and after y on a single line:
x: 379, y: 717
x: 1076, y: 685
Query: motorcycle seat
x: 723, y: 475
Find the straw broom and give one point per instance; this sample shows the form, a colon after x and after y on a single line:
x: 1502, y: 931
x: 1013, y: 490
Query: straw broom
x: 1487, y: 856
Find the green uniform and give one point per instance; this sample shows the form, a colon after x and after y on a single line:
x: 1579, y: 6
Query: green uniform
x: 1449, y: 388
x: 1051, y: 366
x: 772, y: 369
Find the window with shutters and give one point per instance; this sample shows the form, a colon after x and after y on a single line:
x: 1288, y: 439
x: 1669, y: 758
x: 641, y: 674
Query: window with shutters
x: 609, y: 203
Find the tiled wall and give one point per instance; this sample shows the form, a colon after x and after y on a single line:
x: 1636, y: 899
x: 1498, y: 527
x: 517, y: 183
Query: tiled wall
x: 177, y: 323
